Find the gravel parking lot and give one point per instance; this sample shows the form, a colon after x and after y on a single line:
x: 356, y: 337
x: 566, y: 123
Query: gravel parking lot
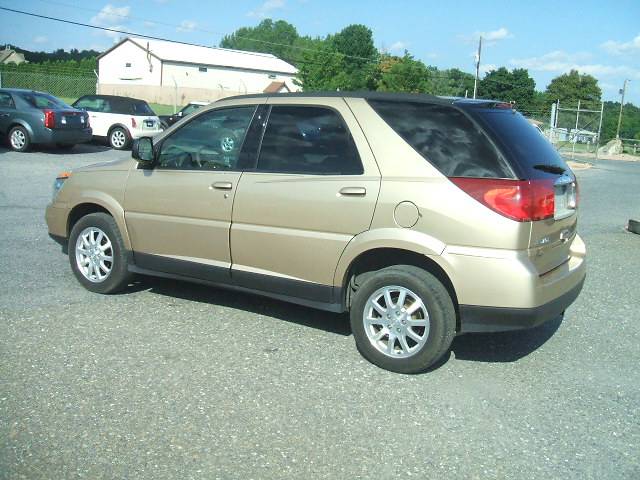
x: 179, y: 381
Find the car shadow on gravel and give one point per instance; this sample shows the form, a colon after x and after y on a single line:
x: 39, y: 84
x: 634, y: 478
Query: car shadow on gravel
x: 81, y: 148
x: 307, y: 317
x: 503, y: 346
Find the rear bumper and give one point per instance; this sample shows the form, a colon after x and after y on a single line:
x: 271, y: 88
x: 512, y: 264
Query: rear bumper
x: 477, y: 319
x: 69, y: 137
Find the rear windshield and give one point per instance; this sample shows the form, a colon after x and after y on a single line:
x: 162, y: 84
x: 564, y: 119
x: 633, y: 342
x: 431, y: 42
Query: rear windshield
x: 445, y: 137
x: 142, y: 108
x: 43, y: 100
x: 531, y: 154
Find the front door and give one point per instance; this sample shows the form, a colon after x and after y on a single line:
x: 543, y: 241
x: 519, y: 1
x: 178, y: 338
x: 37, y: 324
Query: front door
x: 314, y: 188
x: 178, y: 214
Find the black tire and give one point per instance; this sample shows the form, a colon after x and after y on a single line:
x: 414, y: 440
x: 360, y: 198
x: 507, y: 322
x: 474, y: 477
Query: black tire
x: 23, y: 134
x: 115, y: 135
x: 119, y: 276
x: 438, y: 304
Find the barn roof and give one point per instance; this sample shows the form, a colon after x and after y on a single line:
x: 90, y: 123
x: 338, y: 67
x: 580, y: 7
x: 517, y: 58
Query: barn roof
x: 211, y: 56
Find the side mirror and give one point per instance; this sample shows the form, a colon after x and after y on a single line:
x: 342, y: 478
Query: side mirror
x: 142, y: 151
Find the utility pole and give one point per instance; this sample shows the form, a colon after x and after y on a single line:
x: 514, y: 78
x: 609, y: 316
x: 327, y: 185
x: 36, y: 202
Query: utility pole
x: 622, y: 92
x: 475, y: 83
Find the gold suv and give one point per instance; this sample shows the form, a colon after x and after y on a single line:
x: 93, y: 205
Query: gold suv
x: 423, y: 217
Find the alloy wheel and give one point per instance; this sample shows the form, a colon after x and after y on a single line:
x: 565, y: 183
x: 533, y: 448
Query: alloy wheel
x: 396, y: 321
x: 94, y: 254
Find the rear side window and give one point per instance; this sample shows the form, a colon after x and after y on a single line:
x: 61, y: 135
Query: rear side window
x: 523, y: 144
x: 309, y: 140
x: 6, y: 101
x: 42, y: 100
x: 445, y: 137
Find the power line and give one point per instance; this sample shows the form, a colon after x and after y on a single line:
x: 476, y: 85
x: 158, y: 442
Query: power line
x: 430, y: 74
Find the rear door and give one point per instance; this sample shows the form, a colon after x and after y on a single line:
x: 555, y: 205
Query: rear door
x: 314, y: 188
x: 533, y: 158
x: 178, y: 214
x: 7, y: 111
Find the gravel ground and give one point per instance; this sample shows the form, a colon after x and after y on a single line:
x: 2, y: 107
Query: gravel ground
x: 178, y: 381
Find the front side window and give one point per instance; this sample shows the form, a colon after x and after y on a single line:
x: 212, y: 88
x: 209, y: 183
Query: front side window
x: 211, y: 141
x: 91, y: 104
x: 308, y: 140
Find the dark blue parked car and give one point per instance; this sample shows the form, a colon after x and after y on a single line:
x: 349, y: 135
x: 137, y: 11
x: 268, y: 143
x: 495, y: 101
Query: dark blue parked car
x: 28, y: 117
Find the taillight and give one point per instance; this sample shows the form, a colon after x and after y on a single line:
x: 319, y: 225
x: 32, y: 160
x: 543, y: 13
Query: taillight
x: 520, y: 200
x: 49, y: 119
x: 134, y: 124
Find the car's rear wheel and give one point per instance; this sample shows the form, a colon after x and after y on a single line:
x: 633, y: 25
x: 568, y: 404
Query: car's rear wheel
x: 402, y: 319
x: 97, y: 254
x: 19, y: 140
x: 119, y: 138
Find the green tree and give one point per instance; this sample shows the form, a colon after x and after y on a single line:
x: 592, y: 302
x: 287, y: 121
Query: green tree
x: 268, y: 36
x: 402, y: 74
x: 355, y: 43
x: 511, y: 86
x: 573, y: 86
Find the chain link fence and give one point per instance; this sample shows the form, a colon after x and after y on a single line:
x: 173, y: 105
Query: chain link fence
x: 66, y: 85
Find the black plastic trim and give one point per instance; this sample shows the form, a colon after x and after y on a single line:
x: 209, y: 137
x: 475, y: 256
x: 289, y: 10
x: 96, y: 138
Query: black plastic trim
x: 481, y: 319
x: 323, y: 297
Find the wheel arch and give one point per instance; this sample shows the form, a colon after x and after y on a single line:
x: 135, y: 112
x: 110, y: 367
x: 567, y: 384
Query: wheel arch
x: 18, y: 122
x: 96, y: 205
x: 382, y: 257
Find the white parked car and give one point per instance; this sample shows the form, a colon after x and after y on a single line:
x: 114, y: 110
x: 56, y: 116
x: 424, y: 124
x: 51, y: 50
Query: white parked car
x: 119, y: 119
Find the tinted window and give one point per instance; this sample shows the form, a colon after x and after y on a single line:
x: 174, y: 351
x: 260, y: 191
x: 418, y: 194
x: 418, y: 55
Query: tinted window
x: 311, y: 140
x: 190, y: 109
x: 524, y: 145
x: 91, y: 104
x: 42, y: 100
x: 211, y: 141
x: 141, y: 108
x: 445, y: 137
x: 6, y: 101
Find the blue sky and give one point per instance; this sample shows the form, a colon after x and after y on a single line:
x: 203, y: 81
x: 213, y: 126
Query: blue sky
x: 598, y: 37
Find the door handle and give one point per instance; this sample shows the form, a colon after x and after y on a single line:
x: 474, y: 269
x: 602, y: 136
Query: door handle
x: 221, y: 186
x: 353, y: 191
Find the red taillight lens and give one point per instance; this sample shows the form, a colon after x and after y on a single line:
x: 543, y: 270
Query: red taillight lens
x: 520, y: 200
x: 134, y: 124
x: 49, y: 118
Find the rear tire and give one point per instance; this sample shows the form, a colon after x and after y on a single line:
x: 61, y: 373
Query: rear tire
x: 413, y: 308
x: 119, y: 138
x: 19, y: 140
x: 97, y: 254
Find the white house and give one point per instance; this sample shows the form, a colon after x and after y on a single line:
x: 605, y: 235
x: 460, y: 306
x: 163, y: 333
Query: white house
x: 175, y: 73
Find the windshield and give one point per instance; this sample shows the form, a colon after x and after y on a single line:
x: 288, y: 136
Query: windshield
x: 43, y: 100
x: 190, y: 109
x: 529, y: 152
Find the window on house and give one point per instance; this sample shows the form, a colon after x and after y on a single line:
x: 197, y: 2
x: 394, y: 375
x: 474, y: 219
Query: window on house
x: 127, y: 64
x: 202, y: 69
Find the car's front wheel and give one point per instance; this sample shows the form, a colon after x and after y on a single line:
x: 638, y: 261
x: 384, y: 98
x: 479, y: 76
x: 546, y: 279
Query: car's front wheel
x: 119, y: 138
x: 402, y: 319
x: 97, y: 254
x: 19, y: 140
